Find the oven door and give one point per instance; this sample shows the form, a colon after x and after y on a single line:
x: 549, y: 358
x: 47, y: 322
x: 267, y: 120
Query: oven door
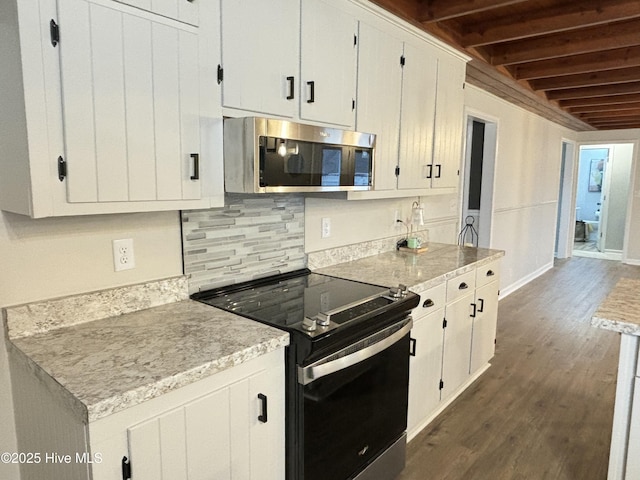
x: 355, y: 404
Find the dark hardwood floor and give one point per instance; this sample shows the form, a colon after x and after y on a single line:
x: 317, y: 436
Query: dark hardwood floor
x: 544, y: 409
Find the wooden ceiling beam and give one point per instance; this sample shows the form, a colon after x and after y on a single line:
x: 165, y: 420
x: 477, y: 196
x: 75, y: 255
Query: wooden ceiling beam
x: 586, y: 62
x: 563, y: 17
x: 602, y: 100
x: 617, y: 123
x: 599, y: 91
x: 588, y: 40
x: 609, y: 107
x: 594, y: 116
x: 438, y: 10
x: 607, y: 77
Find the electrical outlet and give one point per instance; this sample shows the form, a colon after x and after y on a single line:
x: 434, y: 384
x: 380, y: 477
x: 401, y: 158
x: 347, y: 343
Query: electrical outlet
x: 326, y: 227
x: 123, y: 258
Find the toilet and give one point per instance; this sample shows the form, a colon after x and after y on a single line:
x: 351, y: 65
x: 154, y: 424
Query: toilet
x: 592, y: 227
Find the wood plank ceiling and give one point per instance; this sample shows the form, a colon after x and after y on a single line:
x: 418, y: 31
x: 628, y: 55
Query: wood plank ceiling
x: 574, y: 62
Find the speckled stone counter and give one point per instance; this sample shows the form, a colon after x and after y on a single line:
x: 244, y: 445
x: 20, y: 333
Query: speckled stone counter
x: 620, y: 311
x: 418, y: 271
x: 107, y: 365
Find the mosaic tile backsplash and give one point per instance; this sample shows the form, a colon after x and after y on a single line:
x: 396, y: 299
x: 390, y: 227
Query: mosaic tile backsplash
x: 250, y: 237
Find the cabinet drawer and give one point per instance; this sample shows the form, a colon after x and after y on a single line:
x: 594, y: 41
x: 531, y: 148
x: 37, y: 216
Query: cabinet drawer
x: 460, y: 285
x: 430, y: 301
x: 487, y: 273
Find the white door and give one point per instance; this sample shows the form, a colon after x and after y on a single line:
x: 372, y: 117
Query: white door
x: 449, y: 122
x: 260, y: 55
x: 425, y: 368
x: 234, y: 433
x: 130, y: 88
x: 328, y: 58
x: 417, y: 117
x: 379, y: 96
x: 457, y: 344
x: 484, y: 326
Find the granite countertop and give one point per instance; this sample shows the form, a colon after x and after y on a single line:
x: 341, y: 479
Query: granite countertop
x: 418, y: 271
x: 620, y: 311
x: 107, y: 365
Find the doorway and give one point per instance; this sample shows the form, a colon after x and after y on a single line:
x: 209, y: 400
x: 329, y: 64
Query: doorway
x: 479, y: 168
x: 563, y: 245
x: 602, y: 192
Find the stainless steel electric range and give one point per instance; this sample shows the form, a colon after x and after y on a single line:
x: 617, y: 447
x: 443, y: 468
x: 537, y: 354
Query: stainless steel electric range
x: 347, y: 369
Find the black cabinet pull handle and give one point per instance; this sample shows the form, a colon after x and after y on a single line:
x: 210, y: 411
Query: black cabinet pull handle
x: 220, y: 74
x: 481, y: 309
x: 412, y: 347
x: 430, y: 174
x: 428, y: 303
x: 312, y: 93
x: 292, y: 87
x: 463, y: 286
x: 54, y: 31
x: 126, y: 468
x: 473, y: 315
x: 263, y: 400
x: 439, y: 167
x: 490, y: 273
x: 196, y: 166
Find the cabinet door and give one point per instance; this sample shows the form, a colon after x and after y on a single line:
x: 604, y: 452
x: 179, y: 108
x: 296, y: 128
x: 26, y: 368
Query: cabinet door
x: 328, y: 56
x: 130, y: 94
x: 457, y: 344
x: 417, y: 118
x: 379, y: 95
x: 223, y: 435
x: 484, y: 326
x: 425, y: 369
x: 448, y: 123
x: 260, y: 55
x: 183, y: 10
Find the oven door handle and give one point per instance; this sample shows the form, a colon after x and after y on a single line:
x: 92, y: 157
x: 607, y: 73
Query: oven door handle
x: 322, y: 368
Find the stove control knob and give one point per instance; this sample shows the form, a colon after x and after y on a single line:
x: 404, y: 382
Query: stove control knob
x: 309, y: 324
x: 399, y: 291
x: 323, y: 319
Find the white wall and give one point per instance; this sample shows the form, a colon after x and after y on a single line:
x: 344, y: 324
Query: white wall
x: 54, y: 257
x: 358, y: 221
x: 527, y: 176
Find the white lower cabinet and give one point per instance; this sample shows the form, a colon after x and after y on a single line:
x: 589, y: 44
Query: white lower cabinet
x: 457, y: 344
x: 232, y: 427
x: 484, y: 325
x: 425, y: 363
x: 453, y: 340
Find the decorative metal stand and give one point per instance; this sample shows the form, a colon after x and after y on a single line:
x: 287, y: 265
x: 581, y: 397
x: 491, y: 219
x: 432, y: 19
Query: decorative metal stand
x: 468, y: 231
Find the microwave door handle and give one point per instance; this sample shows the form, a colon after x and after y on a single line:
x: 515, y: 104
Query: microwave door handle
x: 313, y: 372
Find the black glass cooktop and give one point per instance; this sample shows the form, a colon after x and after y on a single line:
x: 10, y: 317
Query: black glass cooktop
x: 285, y: 301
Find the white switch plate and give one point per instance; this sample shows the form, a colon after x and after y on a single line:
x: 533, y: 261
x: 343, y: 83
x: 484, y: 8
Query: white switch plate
x: 326, y: 227
x: 123, y: 258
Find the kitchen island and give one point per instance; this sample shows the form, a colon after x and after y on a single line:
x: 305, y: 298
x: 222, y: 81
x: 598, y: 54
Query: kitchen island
x: 620, y: 312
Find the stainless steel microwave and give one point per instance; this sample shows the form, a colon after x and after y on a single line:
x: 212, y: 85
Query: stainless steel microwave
x: 264, y: 155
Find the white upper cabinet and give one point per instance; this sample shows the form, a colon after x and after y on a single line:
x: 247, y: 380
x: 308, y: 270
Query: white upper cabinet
x: 418, y: 116
x: 120, y: 112
x: 449, y: 121
x: 328, y: 58
x: 379, y: 94
x: 290, y: 59
x: 186, y: 11
x: 260, y: 55
x: 130, y: 102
